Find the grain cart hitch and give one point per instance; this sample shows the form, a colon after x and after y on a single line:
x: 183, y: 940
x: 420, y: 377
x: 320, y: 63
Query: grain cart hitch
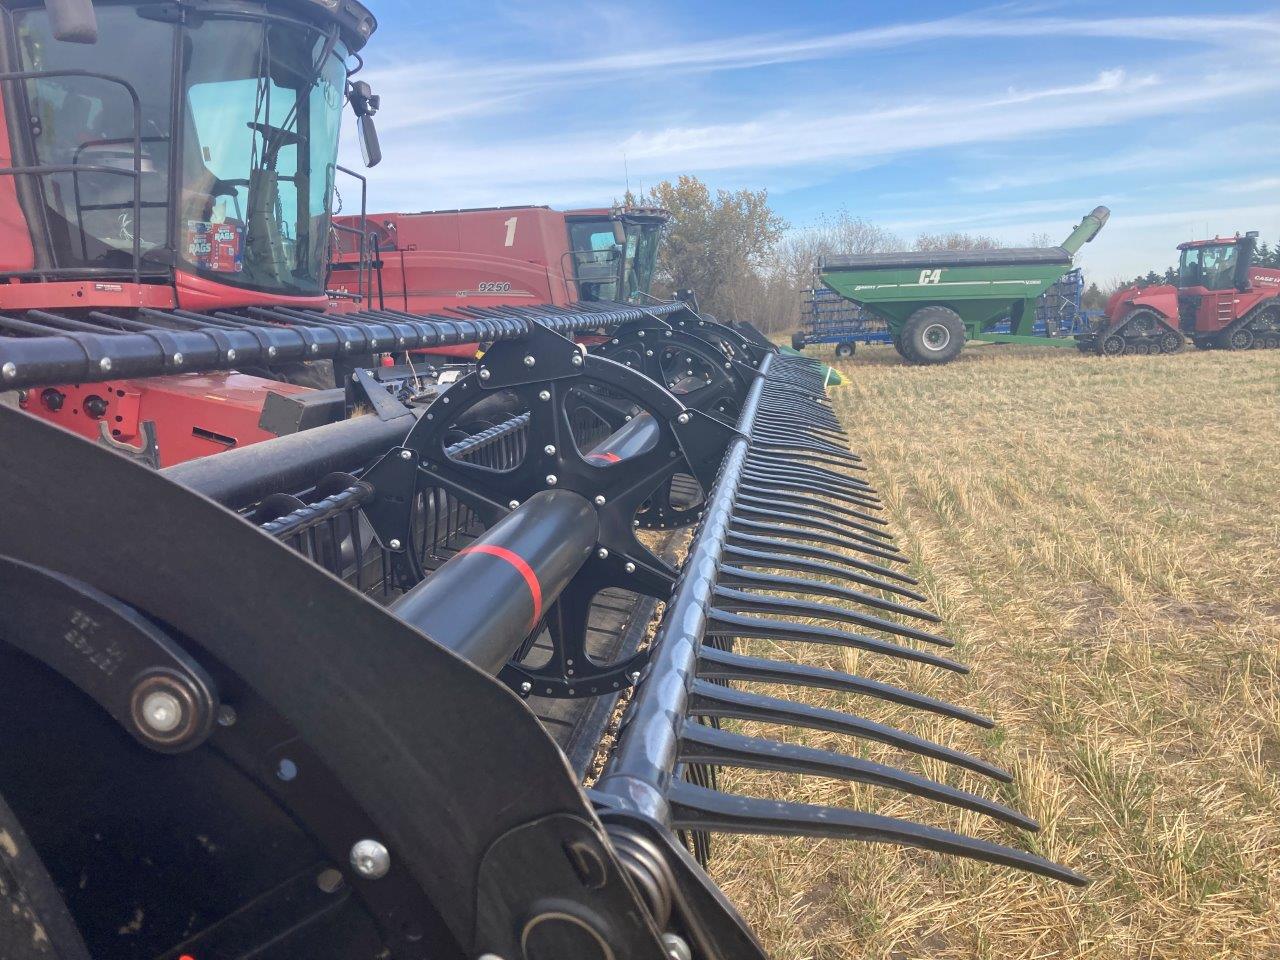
x: 263, y: 706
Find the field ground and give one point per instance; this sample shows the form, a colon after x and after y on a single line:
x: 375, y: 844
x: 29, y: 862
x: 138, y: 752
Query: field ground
x: 1102, y: 537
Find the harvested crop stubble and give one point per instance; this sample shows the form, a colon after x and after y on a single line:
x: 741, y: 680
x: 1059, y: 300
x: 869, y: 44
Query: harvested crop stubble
x: 1102, y: 537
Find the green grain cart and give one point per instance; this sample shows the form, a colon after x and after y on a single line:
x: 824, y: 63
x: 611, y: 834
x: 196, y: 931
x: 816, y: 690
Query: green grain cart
x: 934, y: 301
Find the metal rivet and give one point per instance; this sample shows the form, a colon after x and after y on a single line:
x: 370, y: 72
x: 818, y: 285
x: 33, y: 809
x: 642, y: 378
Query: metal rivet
x: 105, y: 362
x: 10, y: 370
x: 177, y: 359
x: 394, y: 544
x: 683, y: 418
x: 544, y: 394
x: 602, y: 553
x: 630, y: 567
x: 406, y: 454
x: 162, y: 711
x: 599, y: 500
x: 370, y: 859
x: 513, y: 504
x: 529, y: 361
x: 551, y: 480
x: 549, y: 449
x: 484, y: 373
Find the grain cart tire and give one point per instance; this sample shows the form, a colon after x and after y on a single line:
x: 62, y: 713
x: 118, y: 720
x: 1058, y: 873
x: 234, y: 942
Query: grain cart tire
x: 845, y: 350
x: 797, y: 341
x: 903, y: 352
x: 933, y: 335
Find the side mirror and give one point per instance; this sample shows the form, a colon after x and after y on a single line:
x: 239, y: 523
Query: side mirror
x: 365, y: 103
x: 72, y: 21
x: 370, y: 150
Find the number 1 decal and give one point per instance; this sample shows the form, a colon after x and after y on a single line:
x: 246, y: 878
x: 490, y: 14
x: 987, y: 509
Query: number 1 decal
x: 511, y: 232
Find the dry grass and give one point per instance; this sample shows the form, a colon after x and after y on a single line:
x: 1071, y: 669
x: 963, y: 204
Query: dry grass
x: 1102, y: 538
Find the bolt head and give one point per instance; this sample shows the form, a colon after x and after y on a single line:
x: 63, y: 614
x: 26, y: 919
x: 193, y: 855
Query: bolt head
x: 549, y: 449
x: 635, y: 677
x: 177, y: 359
x: 667, y: 333
x: 105, y: 363
x: 231, y: 355
x: 544, y: 395
x: 370, y: 859
x: 9, y: 370
x: 683, y: 418
x: 526, y: 687
x: 394, y: 544
x: 315, y: 348
x: 272, y: 351
x: 640, y: 333
x: 576, y: 360
x: 406, y: 454
x: 648, y: 353
x: 512, y: 504
x: 161, y: 711
x: 602, y: 553
x: 599, y: 500
x: 484, y: 373
x: 552, y: 480
x: 630, y: 567
x: 529, y: 361
x: 675, y: 947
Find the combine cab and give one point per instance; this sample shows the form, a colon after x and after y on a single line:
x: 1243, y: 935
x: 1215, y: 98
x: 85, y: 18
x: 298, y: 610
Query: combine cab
x: 396, y: 686
x: 503, y: 256
x: 1223, y: 300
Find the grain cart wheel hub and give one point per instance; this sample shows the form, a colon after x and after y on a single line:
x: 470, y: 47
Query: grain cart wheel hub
x: 933, y: 335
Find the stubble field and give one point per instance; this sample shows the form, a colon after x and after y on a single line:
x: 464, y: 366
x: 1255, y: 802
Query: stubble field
x: 1102, y: 539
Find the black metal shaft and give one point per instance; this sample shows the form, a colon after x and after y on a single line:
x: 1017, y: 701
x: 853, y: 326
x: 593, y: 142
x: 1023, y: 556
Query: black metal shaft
x: 638, y: 435
x: 648, y: 747
x: 488, y: 598
x: 240, y: 477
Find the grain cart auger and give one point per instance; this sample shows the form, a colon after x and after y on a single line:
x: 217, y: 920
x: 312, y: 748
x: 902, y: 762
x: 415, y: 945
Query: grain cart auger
x: 336, y: 695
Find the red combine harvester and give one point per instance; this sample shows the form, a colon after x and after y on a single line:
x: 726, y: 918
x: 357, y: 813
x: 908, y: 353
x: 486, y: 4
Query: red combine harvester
x: 500, y: 256
x: 1222, y: 300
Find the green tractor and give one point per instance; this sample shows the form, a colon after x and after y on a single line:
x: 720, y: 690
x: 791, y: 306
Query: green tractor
x: 934, y: 301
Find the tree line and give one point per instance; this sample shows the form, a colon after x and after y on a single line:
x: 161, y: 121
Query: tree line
x: 744, y: 261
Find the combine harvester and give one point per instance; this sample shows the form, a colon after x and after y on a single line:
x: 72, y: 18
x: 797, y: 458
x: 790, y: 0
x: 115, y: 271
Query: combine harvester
x: 339, y: 694
x: 1223, y: 300
x: 935, y: 301
x: 499, y: 256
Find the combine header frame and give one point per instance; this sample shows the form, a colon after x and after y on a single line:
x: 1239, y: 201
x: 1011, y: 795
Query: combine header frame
x: 271, y: 703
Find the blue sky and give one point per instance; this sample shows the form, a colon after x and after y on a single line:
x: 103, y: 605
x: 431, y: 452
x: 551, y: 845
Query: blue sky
x: 1010, y: 119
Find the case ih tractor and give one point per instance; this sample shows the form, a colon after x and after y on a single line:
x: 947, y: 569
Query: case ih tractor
x: 1222, y: 300
x: 428, y: 682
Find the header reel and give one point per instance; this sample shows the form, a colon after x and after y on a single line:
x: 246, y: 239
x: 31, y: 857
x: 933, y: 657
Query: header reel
x: 300, y: 715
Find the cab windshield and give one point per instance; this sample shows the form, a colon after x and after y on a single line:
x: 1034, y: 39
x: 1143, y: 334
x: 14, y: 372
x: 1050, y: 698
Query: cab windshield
x: 238, y: 194
x: 594, y: 246
x: 1212, y: 267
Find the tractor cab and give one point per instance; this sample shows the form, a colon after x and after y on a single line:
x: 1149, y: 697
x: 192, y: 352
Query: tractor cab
x: 184, y: 156
x: 615, y: 252
x: 1218, y: 264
